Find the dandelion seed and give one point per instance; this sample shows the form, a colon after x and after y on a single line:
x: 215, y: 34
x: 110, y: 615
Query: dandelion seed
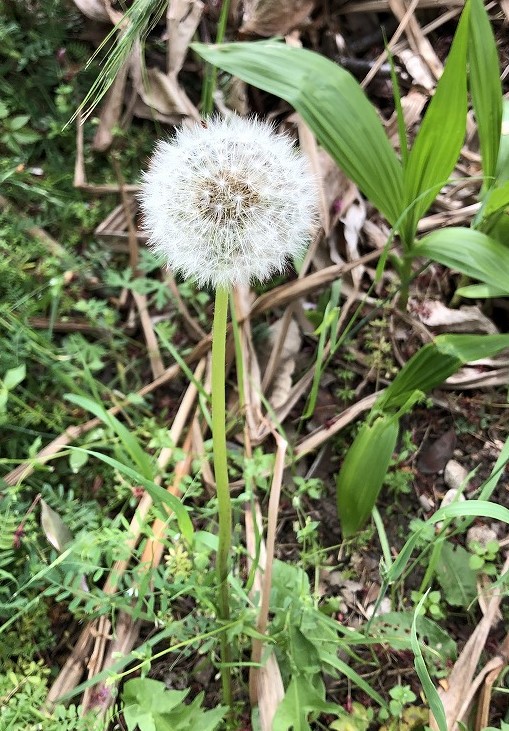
x: 229, y: 203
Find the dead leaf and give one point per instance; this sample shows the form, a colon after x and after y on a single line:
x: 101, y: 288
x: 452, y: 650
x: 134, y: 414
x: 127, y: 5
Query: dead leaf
x: 111, y: 110
x: 274, y: 17
x: 353, y: 221
x: 160, y: 92
x: 93, y: 9
x: 282, y: 380
x: 434, y: 456
x: 466, y: 319
x: 164, y: 94
x: 55, y: 530
x: 182, y: 21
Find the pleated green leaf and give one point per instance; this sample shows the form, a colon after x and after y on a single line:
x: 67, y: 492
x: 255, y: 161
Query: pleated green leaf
x: 438, y: 143
x: 363, y: 472
x: 333, y: 105
x: 469, y: 252
x: 485, y: 87
x: 435, y: 362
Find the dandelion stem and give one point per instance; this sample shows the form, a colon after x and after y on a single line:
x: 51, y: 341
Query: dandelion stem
x: 221, y: 475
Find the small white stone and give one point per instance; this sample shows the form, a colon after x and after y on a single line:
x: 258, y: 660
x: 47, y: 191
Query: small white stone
x: 427, y: 503
x: 452, y: 496
x: 384, y: 608
x: 481, y: 534
x: 454, y: 475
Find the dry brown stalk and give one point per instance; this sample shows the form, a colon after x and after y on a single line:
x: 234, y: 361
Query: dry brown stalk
x: 266, y: 581
x: 80, y: 178
x: 403, y: 22
x: 321, y: 435
x: 268, y: 690
x: 190, y: 323
x: 416, y: 39
x: 285, y: 293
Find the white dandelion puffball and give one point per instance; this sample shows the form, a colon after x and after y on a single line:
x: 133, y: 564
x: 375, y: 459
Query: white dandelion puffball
x: 228, y: 202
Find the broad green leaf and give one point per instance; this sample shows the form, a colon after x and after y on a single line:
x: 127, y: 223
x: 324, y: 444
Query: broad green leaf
x: 331, y: 102
x: 55, y: 530
x: 429, y: 689
x: 469, y: 252
x: 149, y: 706
x: 132, y: 446
x: 363, y: 471
x: 457, y: 579
x: 438, y: 143
x: 156, y: 492
x: 485, y: 87
x: 18, y: 122
x: 302, y: 698
x: 14, y: 376
x: 435, y: 362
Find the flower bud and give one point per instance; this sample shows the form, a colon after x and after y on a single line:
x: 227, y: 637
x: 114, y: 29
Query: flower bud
x: 229, y: 202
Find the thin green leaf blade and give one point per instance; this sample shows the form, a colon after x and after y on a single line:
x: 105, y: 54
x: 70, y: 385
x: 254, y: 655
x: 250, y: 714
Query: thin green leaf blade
x: 438, y: 143
x: 157, y: 493
x: 363, y: 471
x: 480, y: 291
x: 331, y: 102
x: 429, y: 689
x: 435, y: 362
x: 485, y: 87
x: 129, y: 441
x: 469, y: 252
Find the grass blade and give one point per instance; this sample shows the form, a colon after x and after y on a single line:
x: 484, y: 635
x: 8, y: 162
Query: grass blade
x: 331, y: 102
x: 129, y: 441
x: 158, y: 494
x: 485, y: 87
x: 438, y: 143
x: 429, y: 689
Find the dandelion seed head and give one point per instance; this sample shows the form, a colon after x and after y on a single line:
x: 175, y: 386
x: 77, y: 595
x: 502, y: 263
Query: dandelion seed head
x: 229, y: 203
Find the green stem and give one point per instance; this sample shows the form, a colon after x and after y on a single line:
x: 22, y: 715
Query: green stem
x: 406, y: 276
x: 210, y: 80
x: 221, y: 475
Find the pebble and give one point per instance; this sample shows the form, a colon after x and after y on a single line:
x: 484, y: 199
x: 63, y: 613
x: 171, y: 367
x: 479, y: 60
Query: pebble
x: 384, y: 608
x: 454, y: 475
x: 481, y: 534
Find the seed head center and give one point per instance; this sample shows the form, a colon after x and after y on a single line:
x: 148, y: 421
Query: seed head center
x: 227, y: 198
